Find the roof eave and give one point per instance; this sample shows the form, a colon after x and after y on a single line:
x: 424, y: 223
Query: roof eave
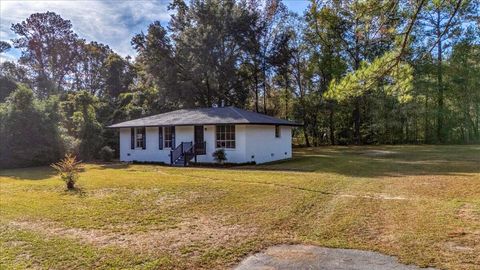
x: 293, y: 124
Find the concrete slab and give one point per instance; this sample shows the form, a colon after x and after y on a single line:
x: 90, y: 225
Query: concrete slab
x: 319, y: 258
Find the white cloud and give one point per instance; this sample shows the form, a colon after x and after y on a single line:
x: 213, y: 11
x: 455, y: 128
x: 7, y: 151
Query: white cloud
x: 7, y: 57
x: 110, y: 22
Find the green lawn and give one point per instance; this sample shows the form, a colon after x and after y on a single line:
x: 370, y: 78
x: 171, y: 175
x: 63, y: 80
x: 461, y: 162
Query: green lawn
x: 419, y: 203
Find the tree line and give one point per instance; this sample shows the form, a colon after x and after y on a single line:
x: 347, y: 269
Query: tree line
x: 353, y: 72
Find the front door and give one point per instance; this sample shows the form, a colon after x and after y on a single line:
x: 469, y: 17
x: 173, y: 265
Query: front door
x: 198, y: 134
x: 200, y: 147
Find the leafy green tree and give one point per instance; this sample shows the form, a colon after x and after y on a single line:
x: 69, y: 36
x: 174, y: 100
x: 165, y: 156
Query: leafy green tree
x: 119, y: 74
x: 158, y: 65
x: 440, y: 23
x: 266, y: 26
x: 49, y: 50
x: 29, y: 131
x: 351, y: 71
x: 281, y: 60
x: 81, y: 116
x: 366, y: 77
x: 326, y: 62
x: 464, y: 95
x: 4, y: 46
x: 355, y: 32
x: 204, y: 62
x: 7, y: 86
x: 91, y: 67
x: 10, y: 75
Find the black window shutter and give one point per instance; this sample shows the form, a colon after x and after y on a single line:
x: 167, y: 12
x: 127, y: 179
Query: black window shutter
x: 173, y: 137
x: 144, y: 146
x: 132, y: 138
x: 160, y: 138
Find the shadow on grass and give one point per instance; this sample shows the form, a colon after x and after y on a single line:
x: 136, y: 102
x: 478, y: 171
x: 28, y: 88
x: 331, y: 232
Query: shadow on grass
x: 353, y: 161
x: 114, y: 165
x: 77, y: 191
x: 32, y: 173
x: 379, y: 161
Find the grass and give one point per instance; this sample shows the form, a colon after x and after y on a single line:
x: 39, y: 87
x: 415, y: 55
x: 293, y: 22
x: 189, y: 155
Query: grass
x: 419, y: 203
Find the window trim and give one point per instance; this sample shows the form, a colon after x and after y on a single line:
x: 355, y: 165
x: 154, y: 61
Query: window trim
x: 139, y: 131
x: 225, y: 140
x: 278, y: 131
x: 172, y: 136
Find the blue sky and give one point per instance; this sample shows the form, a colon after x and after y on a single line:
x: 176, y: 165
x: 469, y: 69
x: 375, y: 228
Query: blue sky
x: 112, y: 22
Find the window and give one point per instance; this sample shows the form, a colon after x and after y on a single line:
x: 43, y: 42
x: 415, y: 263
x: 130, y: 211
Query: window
x: 225, y: 135
x: 277, y: 131
x: 168, y: 137
x: 139, y: 133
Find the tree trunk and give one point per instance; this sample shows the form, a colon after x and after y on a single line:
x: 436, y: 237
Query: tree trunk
x: 256, y: 92
x: 307, y: 140
x: 356, y: 111
x: 286, y: 96
x: 209, y: 95
x: 427, y: 130
x: 415, y: 129
x: 440, y: 109
x: 356, y: 121
x: 331, y: 124
x: 70, y: 185
x: 477, y: 126
x: 407, y: 132
x: 264, y: 91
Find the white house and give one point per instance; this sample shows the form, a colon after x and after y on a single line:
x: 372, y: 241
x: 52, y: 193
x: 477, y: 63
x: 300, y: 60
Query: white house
x: 181, y: 136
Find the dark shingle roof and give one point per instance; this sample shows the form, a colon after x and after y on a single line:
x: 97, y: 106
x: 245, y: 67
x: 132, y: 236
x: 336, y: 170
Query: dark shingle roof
x: 205, y: 116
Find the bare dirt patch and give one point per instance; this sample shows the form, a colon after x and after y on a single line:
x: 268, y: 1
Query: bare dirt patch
x: 466, y: 239
x: 105, y: 192
x: 463, y: 245
x: 468, y: 212
x: 162, y: 198
x: 378, y: 153
x: 375, y: 196
x: 458, y: 247
x: 204, y: 230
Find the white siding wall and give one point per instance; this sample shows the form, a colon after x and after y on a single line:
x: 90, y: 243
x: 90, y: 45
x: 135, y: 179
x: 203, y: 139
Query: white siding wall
x: 151, y: 153
x: 236, y: 155
x: 265, y: 147
x: 251, y: 140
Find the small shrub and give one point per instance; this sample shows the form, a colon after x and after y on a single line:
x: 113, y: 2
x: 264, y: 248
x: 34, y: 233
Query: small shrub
x: 68, y: 167
x: 220, y: 156
x: 107, y: 153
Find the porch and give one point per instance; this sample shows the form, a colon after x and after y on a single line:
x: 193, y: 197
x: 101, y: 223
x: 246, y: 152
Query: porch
x: 186, y: 151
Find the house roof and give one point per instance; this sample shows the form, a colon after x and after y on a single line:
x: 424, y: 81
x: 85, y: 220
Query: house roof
x: 205, y: 116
